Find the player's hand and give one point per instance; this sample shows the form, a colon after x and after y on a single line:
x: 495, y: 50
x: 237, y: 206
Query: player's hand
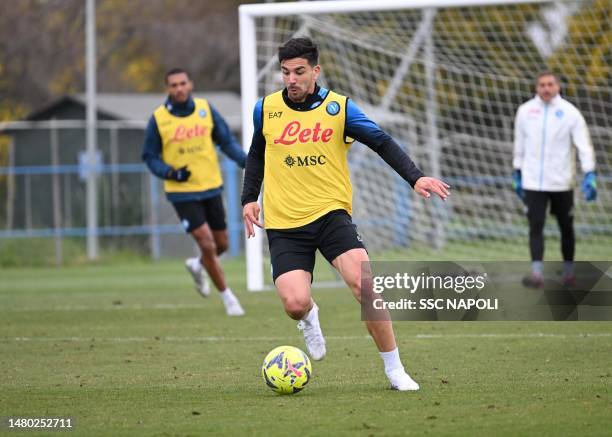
x: 426, y: 185
x: 180, y: 174
x: 250, y: 214
x: 589, y: 186
x: 517, y: 184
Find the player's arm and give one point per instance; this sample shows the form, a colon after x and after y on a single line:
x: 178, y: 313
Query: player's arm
x: 151, y: 155
x: 254, y: 173
x: 364, y: 130
x: 222, y: 136
x: 582, y: 140
x: 519, y: 141
x: 517, y: 159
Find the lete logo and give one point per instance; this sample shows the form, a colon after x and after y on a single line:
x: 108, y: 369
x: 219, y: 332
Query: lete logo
x: 293, y: 132
x: 184, y: 133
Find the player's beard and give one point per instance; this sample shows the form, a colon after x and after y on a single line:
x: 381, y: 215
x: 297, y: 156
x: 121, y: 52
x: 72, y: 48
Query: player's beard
x: 296, y: 93
x: 547, y: 97
x: 180, y: 97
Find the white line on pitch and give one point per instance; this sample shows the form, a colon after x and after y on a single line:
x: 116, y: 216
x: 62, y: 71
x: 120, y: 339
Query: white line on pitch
x: 106, y: 307
x: 525, y: 335
x: 247, y: 339
x: 170, y: 339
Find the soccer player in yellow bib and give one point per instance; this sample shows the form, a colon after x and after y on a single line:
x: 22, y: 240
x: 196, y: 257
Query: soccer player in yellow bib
x: 301, y: 138
x: 180, y: 148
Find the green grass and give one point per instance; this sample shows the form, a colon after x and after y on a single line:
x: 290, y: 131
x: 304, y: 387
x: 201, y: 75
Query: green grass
x: 132, y: 350
x: 41, y: 252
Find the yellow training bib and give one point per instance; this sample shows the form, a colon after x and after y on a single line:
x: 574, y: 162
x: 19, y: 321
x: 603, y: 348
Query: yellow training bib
x: 188, y: 141
x: 306, y: 171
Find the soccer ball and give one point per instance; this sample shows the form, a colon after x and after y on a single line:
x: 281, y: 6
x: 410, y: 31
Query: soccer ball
x: 286, y: 370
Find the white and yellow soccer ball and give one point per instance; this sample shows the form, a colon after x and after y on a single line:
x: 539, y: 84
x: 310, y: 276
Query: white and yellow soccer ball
x: 286, y: 370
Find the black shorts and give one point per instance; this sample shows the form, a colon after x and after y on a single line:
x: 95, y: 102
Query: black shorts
x: 295, y: 249
x: 195, y: 213
x: 561, y: 203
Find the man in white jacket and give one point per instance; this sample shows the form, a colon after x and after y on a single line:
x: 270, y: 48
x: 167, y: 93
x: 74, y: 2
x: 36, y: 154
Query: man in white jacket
x: 546, y: 130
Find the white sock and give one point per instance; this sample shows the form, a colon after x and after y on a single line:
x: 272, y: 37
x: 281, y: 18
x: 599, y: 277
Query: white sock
x: 537, y: 267
x: 227, y: 294
x: 310, y: 317
x: 392, y: 360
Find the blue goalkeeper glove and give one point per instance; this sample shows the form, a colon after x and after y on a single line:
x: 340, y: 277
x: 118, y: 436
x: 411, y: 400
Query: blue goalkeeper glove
x: 517, y: 184
x: 589, y: 186
x: 179, y: 175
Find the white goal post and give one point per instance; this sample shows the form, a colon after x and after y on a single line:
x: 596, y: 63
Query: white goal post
x: 420, y: 66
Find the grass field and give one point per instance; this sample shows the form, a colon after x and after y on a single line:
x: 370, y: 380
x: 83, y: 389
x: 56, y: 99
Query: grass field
x: 131, y: 349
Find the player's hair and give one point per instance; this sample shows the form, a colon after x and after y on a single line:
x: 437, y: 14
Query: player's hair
x: 548, y: 73
x: 172, y: 72
x: 299, y: 48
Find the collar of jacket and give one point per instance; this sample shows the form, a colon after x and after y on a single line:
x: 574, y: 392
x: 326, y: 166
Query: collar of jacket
x: 180, y: 109
x: 310, y: 102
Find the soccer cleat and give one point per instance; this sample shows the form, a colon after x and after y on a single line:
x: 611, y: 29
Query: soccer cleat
x: 533, y: 281
x: 313, y: 337
x: 401, y: 381
x: 199, y: 276
x: 232, y: 306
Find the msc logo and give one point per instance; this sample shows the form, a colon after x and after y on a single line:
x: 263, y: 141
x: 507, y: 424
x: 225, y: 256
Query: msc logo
x: 332, y: 108
x: 293, y: 133
x: 559, y: 113
x: 202, y: 113
x: 305, y: 161
x: 289, y: 161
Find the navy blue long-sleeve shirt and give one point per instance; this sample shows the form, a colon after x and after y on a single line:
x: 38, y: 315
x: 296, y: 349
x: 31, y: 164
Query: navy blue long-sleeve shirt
x: 357, y: 126
x: 221, y: 135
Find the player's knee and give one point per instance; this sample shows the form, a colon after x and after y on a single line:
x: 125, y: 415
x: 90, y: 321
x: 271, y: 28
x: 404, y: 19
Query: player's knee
x: 566, y: 224
x: 536, y: 226
x: 296, y: 308
x: 208, y: 247
x: 354, y: 283
x: 222, y: 247
x: 567, y: 229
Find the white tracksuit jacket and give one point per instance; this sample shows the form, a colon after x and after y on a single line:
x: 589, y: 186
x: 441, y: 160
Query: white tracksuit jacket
x: 543, y: 137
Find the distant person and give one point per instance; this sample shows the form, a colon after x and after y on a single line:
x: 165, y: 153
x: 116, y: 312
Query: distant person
x: 545, y: 129
x: 179, y: 147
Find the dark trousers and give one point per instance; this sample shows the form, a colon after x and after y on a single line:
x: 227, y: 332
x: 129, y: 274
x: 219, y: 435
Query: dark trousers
x: 562, y: 206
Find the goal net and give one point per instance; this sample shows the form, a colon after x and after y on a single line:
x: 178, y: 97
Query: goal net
x: 445, y: 80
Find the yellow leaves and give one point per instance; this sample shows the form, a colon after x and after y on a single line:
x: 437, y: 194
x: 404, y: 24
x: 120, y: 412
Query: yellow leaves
x: 56, y: 19
x: 66, y: 81
x: 8, y: 111
x: 590, y: 33
x: 12, y: 111
x: 142, y: 73
x: 4, y: 153
x: 599, y: 70
x: 583, y: 27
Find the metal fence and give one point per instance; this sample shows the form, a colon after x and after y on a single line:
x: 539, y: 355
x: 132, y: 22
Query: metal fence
x: 43, y: 195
